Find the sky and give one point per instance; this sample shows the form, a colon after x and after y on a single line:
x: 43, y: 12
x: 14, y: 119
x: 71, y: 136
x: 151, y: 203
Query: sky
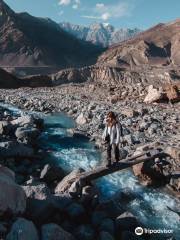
x: 120, y: 13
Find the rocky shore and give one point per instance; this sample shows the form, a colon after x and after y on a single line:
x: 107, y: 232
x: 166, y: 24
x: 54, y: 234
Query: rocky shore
x: 34, y: 199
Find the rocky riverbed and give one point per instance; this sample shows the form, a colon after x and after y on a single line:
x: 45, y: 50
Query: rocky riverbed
x: 39, y: 203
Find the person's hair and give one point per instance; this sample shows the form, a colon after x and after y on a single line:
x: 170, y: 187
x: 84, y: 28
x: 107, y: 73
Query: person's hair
x: 111, y: 119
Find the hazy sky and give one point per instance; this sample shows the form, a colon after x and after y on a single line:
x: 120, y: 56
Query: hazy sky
x: 120, y: 13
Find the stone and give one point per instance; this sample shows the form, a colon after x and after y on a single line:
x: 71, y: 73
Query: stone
x: 129, y: 113
x: 76, y: 211
x: 107, y: 225
x: 110, y: 209
x: 175, y: 181
x: 106, y: 236
x: 64, y: 185
x: 98, y: 217
x: 85, y: 232
x: 24, y: 120
x: 12, y: 197
x: 28, y: 135
x: 61, y: 201
x: 150, y: 173
x: 174, y: 152
x: 53, y: 231
x: 4, y: 127
x: 23, y: 229
x: 81, y: 119
x: 39, y: 202
x: 153, y: 95
x: 50, y: 174
x: 15, y: 149
x: 126, y: 222
x: 127, y: 235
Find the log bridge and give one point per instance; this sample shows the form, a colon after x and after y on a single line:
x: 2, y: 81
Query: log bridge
x: 85, y: 178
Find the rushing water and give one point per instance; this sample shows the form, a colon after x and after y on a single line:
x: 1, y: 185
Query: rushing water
x: 148, y: 204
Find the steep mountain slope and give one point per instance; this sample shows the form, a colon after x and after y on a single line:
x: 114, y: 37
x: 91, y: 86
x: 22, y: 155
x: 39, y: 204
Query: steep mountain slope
x: 29, y: 41
x: 157, y: 46
x: 7, y: 80
x: 99, y: 34
x: 152, y: 57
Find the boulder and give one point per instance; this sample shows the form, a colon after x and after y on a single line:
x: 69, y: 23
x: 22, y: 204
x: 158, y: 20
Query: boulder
x: 107, y: 225
x: 50, y: 174
x: 27, y: 134
x: 174, y: 152
x: 64, y: 185
x: 39, y: 202
x: 175, y: 181
x: 15, y: 149
x: 23, y: 229
x: 81, y: 119
x: 53, y: 231
x: 154, y: 95
x: 150, y: 173
x: 130, y: 236
x: 106, y: 236
x: 76, y: 211
x: 4, y: 127
x: 12, y: 197
x: 129, y: 113
x: 24, y: 120
x: 98, y: 217
x: 85, y: 232
x: 126, y: 222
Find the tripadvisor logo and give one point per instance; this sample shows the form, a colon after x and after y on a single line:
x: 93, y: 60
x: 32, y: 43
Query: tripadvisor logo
x: 139, y: 231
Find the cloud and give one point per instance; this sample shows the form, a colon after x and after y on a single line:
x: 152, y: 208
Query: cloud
x: 77, y: 1
x: 105, y: 16
x: 64, y: 2
x: 100, y: 5
x: 75, y: 6
x: 105, y: 12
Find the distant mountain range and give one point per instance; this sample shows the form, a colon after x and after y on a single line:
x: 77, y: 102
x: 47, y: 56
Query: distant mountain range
x: 30, y: 41
x: 100, y: 34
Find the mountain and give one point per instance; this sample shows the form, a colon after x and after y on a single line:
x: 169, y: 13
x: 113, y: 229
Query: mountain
x: 99, y: 34
x: 158, y: 46
x: 7, y: 80
x: 30, y: 41
x: 152, y: 57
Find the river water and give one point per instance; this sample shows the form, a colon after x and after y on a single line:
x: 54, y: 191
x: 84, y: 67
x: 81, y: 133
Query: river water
x: 148, y: 204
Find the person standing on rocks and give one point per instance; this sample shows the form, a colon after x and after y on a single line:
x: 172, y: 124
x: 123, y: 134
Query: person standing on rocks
x: 111, y: 136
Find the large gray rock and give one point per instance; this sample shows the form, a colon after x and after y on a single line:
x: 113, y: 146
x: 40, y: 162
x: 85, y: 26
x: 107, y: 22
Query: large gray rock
x: 4, y: 127
x: 153, y: 95
x: 23, y: 229
x: 15, y: 149
x: 81, y: 119
x: 50, y: 174
x: 24, y: 120
x: 106, y: 236
x: 28, y: 134
x: 39, y: 202
x: 126, y: 222
x: 12, y: 197
x: 66, y: 183
x: 52, y: 231
x: 85, y: 232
